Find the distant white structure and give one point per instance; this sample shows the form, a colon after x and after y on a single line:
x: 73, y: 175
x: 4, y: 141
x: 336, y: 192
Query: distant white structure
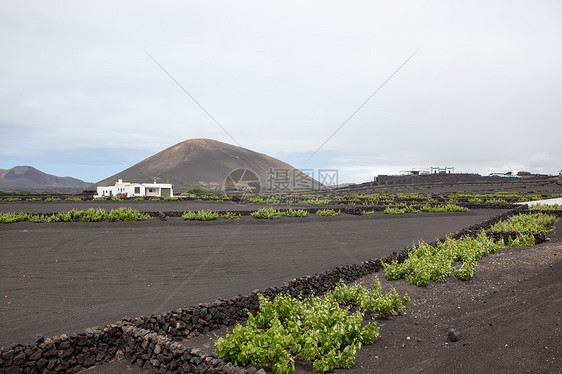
x: 128, y: 189
x: 440, y: 170
x: 430, y: 170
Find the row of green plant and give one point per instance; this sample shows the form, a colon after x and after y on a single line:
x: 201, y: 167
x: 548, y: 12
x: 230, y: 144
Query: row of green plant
x: 202, y: 215
x: 546, y: 207
x: 48, y: 199
x: 534, y: 222
x: 328, y: 330
x: 436, y: 263
x: 270, y: 213
x: 90, y: 215
x: 384, y: 198
x: 264, y: 213
x: 426, y: 262
x: 426, y: 208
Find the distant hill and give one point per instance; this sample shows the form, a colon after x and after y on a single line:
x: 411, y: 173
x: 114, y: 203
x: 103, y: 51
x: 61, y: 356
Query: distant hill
x: 204, y: 163
x: 28, y: 178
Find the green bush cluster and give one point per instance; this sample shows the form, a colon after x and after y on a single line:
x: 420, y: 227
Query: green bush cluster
x: 11, y: 199
x: 443, y: 208
x: 397, y: 210
x: 521, y: 240
x: 316, y: 201
x: 545, y: 207
x: 323, y: 330
x: 90, y: 215
x: 266, y: 213
x: 296, y: 213
x: 535, y: 222
x: 426, y: 262
x: 201, y: 215
x: 426, y: 208
x: 231, y: 216
x: 327, y: 212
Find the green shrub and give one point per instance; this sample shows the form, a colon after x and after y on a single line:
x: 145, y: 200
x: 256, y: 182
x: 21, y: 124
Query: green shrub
x: 475, y: 200
x: 536, y: 222
x: 34, y: 199
x: 400, y: 209
x: 521, y: 240
x: 73, y: 199
x: 127, y: 214
x: 466, y: 271
x: 426, y: 262
x: 13, y: 217
x: 12, y: 199
x: 266, y: 213
x: 322, y: 330
x: 171, y: 198
x: 545, y: 207
x: 296, y: 213
x: 327, y: 212
x: 231, y: 216
x: 316, y: 201
x: 52, y: 199
x: 201, y: 215
x: 90, y: 215
x: 443, y: 208
x: 395, y: 211
x: 94, y: 215
x: 496, y: 201
x: 368, y: 212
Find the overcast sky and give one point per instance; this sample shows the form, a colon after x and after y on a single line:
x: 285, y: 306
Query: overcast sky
x: 80, y: 96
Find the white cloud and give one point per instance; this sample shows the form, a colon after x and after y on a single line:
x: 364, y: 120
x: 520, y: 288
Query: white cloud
x: 482, y: 92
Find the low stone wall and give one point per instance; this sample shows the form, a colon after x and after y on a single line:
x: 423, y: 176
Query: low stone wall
x: 152, y: 341
x: 64, y: 354
x: 157, y: 353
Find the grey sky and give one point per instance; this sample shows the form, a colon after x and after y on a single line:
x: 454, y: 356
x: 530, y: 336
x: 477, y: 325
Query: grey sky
x: 79, y: 96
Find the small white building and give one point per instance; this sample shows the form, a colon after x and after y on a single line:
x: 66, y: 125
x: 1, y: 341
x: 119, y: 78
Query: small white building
x: 430, y: 170
x: 128, y: 189
x: 440, y: 170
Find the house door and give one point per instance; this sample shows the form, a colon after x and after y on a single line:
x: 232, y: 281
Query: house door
x: 165, y: 192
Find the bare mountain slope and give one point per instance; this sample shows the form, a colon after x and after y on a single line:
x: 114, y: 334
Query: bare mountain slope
x: 203, y: 163
x: 29, y: 178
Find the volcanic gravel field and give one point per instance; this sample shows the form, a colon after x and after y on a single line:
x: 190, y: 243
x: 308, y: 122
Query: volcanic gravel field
x: 60, y: 278
x: 64, y: 277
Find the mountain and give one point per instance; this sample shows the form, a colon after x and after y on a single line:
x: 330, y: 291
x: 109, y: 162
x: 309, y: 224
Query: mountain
x: 28, y: 178
x: 208, y: 164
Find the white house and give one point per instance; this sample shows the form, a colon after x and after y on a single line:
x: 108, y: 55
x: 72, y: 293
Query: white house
x: 440, y: 170
x: 431, y: 170
x: 128, y: 189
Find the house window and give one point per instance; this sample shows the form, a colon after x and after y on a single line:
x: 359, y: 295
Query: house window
x: 137, y: 189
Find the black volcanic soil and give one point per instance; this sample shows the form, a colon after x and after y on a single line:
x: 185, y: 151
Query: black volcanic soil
x: 64, y: 277
x: 508, y: 319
